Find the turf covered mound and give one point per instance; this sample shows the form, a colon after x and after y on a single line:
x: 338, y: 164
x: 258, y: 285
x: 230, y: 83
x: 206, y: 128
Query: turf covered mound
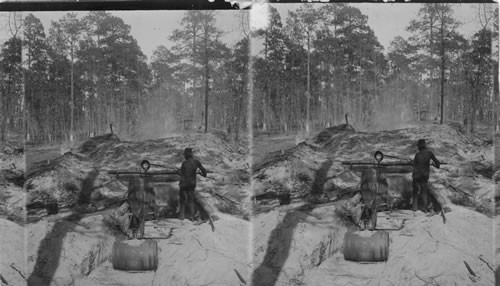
x: 315, y: 166
x: 12, y: 170
x: 81, y: 177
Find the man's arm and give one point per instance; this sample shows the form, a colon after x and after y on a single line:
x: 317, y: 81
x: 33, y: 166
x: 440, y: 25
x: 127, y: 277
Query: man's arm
x: 202, y: 169
x: 181, y: 170
x: 435, y: 160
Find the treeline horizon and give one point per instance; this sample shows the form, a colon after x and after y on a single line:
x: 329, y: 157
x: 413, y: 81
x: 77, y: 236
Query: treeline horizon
x: 326, y: 62
x: 89, y: 72
x: 322, y: 63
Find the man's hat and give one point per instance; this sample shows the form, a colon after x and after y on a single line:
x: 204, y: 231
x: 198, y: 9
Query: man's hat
x: 188, y: 151
x: 421, y: 143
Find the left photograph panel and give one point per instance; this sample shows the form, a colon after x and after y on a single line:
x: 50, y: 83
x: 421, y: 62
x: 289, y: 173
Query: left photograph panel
x: 12, y: 196
x: 137, y: 168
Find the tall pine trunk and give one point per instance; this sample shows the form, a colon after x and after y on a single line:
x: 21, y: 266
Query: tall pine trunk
x: 206, y: 80
x: 71, y: 131
x: 442, y: 72
x: 308, y: 93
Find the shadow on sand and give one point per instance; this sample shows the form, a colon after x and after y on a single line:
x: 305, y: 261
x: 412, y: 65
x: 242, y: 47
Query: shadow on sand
x: 51, y: 246
x: 280, y: 240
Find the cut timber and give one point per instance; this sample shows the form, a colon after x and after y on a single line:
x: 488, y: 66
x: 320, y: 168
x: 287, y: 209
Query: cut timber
x: 366, y: 246
x: 132, y: 172
x: 385, y: 164
x: 153, y: 179
x: 385, y: 169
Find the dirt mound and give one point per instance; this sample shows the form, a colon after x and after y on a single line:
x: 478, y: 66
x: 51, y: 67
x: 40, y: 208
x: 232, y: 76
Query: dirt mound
x: 442, y: 139
x: 12, y: 179
x: 62, y: 180
x: 95, y: 142
x: 208, y: 147
x: 12, y: 203
x: 76, y: 178
x: 297, y: 171
x: 327, y: 133
x: 315, y: 167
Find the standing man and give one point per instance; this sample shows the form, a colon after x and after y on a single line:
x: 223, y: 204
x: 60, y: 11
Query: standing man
x: 420, y: 174
x: 187, y: 182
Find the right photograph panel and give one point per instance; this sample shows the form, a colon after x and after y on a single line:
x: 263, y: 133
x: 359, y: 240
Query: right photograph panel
x: 373, y: 134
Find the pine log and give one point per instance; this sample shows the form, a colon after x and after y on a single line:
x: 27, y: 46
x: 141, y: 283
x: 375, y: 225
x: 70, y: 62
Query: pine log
x: 152, y: 179
x: 385, y: 169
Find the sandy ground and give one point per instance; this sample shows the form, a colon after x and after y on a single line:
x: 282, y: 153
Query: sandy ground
x: 194, y: 255
x: 305, y: 248
x: 424, y: 252
x: 13, y: 253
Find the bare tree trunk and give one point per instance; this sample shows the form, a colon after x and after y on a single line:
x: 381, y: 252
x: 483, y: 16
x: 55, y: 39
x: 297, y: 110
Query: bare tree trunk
x: 308, y: 93
x: 473, y: 109
x: 5, y: 109
x: 71, y: 131
x: 442, y: 72
x: 206, y: 82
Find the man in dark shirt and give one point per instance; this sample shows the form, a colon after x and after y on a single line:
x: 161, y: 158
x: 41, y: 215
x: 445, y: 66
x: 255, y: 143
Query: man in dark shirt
x: 187, y: 182
x: 420, y: 175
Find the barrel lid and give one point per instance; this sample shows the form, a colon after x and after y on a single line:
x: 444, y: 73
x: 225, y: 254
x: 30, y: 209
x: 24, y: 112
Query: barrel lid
x: 367, y: 233
x: 133, y: 242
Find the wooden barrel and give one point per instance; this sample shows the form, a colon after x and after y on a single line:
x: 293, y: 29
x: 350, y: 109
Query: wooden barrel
x: 135, y: 255
x: 366, y: 246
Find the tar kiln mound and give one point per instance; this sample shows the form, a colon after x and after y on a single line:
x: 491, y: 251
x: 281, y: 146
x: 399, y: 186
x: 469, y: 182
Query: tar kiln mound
x: 12, y: 179
x: 301, y: 243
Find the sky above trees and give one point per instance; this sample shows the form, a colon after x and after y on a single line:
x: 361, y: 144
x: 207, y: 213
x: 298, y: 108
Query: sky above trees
x: 390, y: 20
x: 152, y: 28
x: 89, y: 70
